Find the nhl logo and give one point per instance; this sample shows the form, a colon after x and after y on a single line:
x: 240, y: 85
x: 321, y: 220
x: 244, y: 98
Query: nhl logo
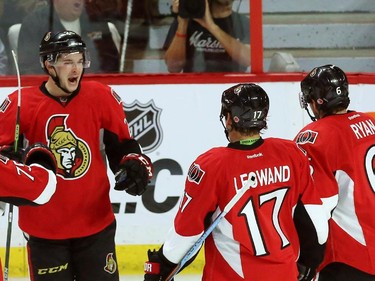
x: 144, y: 124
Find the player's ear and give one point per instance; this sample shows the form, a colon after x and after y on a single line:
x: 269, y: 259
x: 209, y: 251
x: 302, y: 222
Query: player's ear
x: 49, y: 67
x: 228, y: 119
x: 314, y: 105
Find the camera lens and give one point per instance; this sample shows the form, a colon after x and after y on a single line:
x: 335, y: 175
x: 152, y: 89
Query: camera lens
x: 192, y: 8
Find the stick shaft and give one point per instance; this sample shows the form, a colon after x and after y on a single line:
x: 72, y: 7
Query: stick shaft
x: 129, y: 9
x: 7, y: 247
x: 16, y: 138
x: 189, y: 254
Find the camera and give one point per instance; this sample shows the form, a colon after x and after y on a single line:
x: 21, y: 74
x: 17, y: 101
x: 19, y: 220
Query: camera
x: 192, y: 8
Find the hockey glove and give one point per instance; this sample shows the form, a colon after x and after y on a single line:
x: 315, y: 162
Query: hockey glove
x: 8, y: 151
x: 134, y: 174
x: 305, y: 273
x: 40, y: 154
x: 157, y: 268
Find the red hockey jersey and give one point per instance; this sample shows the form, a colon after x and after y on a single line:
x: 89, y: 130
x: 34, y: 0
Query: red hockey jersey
x: 71, y: 128
x: 25, y: 184
x: 257, y: 240
x: 342, y: 153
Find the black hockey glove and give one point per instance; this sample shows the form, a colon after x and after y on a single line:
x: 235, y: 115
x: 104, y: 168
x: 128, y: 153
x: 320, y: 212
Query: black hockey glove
x: 8, y: 151
x: 40, y: 154
x: 134, y: 174
x: 305, y: 273
x: 157, y: 268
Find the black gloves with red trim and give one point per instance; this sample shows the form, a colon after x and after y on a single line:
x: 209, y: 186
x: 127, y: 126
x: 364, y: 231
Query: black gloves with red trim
x: 157, y: 268
x: 8, y: 151
x: 37, y: 153
x: 134, y: 174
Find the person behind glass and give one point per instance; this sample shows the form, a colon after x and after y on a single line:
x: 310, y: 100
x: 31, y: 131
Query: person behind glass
x: 217, y: 41
x: 67, y: 15
x: 75, y: 231
x: 3, y: 58
x: 16, y: 10
x: 341, y: 146
x: 258, y: 238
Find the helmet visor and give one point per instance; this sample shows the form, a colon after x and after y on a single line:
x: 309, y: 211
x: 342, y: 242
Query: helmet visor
x: 66, y: 59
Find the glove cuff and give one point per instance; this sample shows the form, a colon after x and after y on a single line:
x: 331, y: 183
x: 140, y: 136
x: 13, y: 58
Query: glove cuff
x: 144, y: 159
x: 152, y: 267
x: 40, y: 154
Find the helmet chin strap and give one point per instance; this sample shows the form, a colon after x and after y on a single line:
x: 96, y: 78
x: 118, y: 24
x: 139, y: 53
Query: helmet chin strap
x: 313, y: 118
x: 57, y: 82
x: 226, y: 130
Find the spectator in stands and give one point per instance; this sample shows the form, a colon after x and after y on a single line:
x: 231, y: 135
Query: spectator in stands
x: 14, y: 11
x: 113, y: 11
x: 105, y: 9
x: 215, y: 41
x: 3, y: 58
x: 67, y: 15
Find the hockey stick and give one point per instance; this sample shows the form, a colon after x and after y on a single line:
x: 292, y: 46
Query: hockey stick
x: 190, y: 253
x: 129, y: 9
x: 16, y: 138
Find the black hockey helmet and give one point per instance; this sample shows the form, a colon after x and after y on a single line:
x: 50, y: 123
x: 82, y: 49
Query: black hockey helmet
x: 66, y: 41
x: 328, y: 86
x: 248, y: 105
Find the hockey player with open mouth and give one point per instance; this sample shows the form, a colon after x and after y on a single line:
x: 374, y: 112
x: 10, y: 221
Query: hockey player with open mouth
x: 72, y: 237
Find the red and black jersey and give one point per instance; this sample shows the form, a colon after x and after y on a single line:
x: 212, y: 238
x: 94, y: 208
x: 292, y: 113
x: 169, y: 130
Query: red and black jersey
x: 25, y: 184
x: 71, y: 128
x: 257, y: 239
x: 341, y: 149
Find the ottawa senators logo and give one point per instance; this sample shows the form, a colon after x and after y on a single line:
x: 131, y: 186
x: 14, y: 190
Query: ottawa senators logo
x: 307, y: 136
x: 195, y: 173
x: 110, y: 265
x: 5, y: 105
x: 72, y: 154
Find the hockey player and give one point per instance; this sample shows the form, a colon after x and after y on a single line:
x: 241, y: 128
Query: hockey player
x: 72, y: 237
x: 341, y: 148
x: 31, y: 184
x: 258, y: 238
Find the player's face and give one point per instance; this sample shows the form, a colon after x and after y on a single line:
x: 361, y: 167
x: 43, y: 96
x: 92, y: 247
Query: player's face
x: 69, y: 69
